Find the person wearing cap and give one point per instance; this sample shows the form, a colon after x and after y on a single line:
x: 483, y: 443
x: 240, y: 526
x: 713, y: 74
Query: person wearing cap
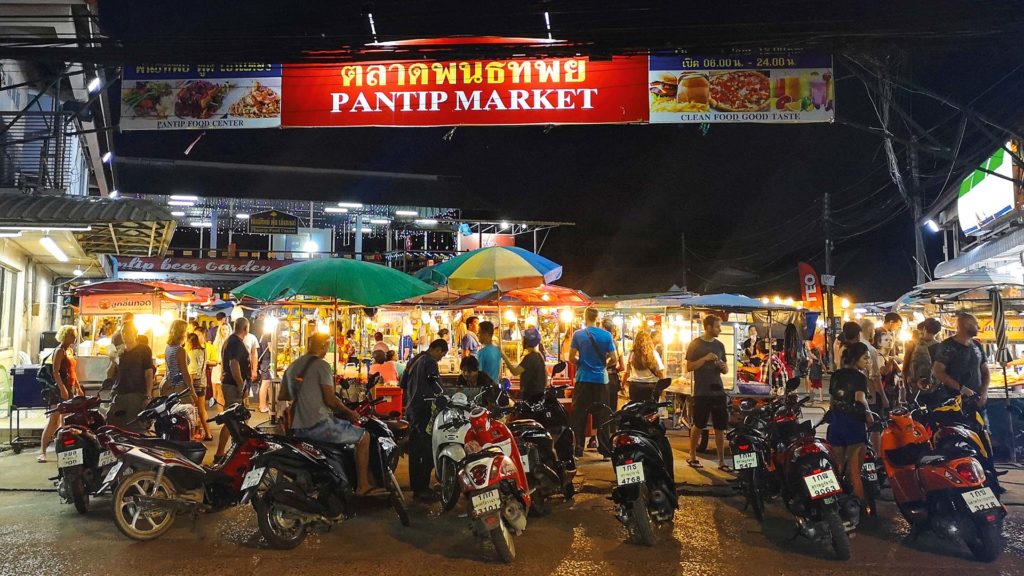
x: 533, y: 375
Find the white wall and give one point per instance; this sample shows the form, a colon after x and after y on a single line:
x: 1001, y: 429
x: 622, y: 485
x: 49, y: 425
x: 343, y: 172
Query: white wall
x: 33, y: 286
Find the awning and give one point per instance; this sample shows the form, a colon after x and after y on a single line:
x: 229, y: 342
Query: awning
x: 542, y: 296
x: 122, y: 226
x: 1008, y: 246
x: 969, y: 285
x: 177, y: 292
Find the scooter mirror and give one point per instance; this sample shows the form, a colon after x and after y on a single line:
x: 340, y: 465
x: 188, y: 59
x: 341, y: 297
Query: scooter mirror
x: 506, y: 384
x: 558, y: 368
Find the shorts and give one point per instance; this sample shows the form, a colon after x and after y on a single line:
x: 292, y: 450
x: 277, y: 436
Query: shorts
x: 845, y: 431
x: 232, y: 394
x: 713, y: 407
x: 333, y: 431
x: 816, y: 383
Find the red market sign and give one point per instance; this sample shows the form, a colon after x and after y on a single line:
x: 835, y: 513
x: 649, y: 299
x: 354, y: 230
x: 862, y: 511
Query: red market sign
x: 200, y: 266
x: 477, y: 92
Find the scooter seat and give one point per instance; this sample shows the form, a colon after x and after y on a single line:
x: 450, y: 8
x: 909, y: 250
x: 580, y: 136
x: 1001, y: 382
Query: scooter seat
x: 194, y: 451
x: 489, y: 452
x: 400, y: 428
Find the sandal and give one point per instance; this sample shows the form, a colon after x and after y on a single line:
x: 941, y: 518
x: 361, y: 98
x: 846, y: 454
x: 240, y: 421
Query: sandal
x: 726, y: 468
x: 694, y: 463
x: 41, y: 459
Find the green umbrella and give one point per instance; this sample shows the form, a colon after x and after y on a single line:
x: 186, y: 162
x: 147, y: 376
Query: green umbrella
x: 341, y: 279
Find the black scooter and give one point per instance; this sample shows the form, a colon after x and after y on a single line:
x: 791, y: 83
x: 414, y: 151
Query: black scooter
x: 304, y: 484
x: 644, y: 493
x: 546, y: 444
x: 751, y: 457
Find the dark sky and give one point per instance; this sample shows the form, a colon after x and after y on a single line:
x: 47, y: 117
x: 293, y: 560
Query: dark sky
x: 747, y: 197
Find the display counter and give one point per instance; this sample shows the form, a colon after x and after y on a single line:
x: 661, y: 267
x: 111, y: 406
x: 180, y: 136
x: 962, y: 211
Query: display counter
x: 92, y: 370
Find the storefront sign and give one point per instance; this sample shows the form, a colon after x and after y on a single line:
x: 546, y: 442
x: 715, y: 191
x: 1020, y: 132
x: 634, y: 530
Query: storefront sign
x: 273, y: 222
x: 201, y: 96
x: 113, y: 304
x: 199, y: 266
x: 986, y: 195
x: 743, y: 86
x: 987, y: 329
x: 477, y: 92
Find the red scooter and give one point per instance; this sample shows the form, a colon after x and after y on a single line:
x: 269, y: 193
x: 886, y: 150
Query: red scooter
x: 82, y: 462
x: 493, y: 481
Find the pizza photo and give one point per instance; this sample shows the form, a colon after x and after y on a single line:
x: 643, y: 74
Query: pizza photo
x: 740, y: 91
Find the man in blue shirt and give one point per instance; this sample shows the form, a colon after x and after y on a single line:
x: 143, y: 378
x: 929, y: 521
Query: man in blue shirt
x: 592, y: 351
x: 469, y: 343
x: 489, y: 355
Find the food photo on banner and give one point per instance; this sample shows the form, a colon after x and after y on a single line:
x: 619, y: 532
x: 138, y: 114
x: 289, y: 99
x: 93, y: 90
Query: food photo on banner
x: 477, y: 92
x: 201, y: 96
x: 743, y: 86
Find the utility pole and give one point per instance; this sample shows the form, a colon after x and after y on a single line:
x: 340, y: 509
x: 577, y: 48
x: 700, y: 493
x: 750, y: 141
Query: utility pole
x: 826, y: 209
x: 682, y: 247
x: 915, y: 209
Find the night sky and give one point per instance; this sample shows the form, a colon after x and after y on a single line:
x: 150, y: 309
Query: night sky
x: 747, y: 197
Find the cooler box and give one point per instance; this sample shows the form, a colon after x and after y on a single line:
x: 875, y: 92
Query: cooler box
x: 26, y: 391
x: 392, y: 399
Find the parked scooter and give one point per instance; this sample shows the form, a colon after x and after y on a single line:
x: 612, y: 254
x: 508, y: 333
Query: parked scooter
x: 957, y: 422
x: 644, y: 493
x: 157, y: 478
x: 943, y: 487
x: 299, y: 484
x: 81, y: 462
x: 493, y: 480
x: 805, y: 470
x: 448, y: 443
x: 751, y: 456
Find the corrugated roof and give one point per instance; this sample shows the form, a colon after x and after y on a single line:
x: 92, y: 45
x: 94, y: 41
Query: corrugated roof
x: 122, y: 226
x: 39, y: 210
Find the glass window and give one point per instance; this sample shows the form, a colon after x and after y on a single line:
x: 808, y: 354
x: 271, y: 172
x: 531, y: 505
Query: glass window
x: 8, y: 292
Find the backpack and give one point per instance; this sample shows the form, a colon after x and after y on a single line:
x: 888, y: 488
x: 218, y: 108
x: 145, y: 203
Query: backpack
x: 47, y: 383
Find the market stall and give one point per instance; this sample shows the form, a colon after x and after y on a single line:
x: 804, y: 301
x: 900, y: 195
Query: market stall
x: 976, y: 292
x: 102, y: 305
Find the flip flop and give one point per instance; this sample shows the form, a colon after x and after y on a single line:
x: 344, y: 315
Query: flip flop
x: 726, y: 468
x: 41, y: 459
x: 694, y: 463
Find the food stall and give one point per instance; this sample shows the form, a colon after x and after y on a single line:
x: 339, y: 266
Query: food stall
x: 101, y: 306
x: 973, y: 292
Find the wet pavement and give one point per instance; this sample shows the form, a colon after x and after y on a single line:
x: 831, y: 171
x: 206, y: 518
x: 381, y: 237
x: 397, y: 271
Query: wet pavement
x: 712, y: 535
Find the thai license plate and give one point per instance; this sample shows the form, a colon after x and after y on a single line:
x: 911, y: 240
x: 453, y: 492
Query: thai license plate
x: 980, y: 499
x: 869, y: 471
x: 112, y: 473
x: 822, y: 484
x: 484, y: 502
x: 106, y: 458
x: 252, y: 478
x: 744, y: 460
x: 629, y: 474
x: 69, y: 458
x: 525, y: 459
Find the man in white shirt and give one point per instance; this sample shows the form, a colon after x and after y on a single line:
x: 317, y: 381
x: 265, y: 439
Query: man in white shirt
x: 379, y: 343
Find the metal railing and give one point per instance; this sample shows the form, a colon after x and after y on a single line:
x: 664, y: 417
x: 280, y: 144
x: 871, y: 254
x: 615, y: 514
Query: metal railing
x: 35, y: 151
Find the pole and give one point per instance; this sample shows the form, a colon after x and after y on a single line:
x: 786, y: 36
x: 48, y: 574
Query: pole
x: 915, y: 206
x: 826, y: 209
x: 682, y: 253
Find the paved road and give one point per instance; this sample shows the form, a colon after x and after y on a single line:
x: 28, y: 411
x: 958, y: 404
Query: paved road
x: 712, y: 536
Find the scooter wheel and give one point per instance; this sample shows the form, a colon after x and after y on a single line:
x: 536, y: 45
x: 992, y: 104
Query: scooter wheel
x: 279, y: 531
x: 449, y: 483
x: 642, y: 525
x: 79, y: 495
x: 136, y: 521
x: 985, y: 540
x: 397, y: 499
x: 840, y: 539
x: 504, y: 542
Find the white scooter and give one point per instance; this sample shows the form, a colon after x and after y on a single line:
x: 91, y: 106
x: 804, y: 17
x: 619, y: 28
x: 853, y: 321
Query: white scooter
x: 448, y: 443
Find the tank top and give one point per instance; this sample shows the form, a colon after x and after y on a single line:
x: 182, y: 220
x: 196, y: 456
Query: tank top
x: 175, y: 379
x: 67, y: 370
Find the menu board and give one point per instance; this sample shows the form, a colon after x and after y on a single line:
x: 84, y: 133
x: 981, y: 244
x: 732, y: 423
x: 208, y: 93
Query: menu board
x: 201, y: 96
x: 743, y: 86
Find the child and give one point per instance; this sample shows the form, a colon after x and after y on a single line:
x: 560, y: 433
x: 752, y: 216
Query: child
x: 815, y: 373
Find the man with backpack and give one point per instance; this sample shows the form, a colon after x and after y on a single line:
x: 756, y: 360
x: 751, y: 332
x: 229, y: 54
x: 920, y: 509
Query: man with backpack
x: 919, y: 370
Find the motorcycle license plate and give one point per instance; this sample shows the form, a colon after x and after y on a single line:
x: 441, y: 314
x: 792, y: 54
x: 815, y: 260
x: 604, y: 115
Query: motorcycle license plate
x: 525, y: 459
x: 106, y: 458
x: 112, y: 473
x: 822, y: 484
x: 252, y: 478
x: 69, y: 458
x: 980, y: 499
x: 869, y: 471
x: 629, y: 474
x: 744, y: 460
x: 484, y: 502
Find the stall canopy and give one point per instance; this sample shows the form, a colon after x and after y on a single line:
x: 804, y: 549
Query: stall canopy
x: 961, y: 286
x: 179, y: 292
x: 544, y: 296
x: 122, y: 226
x: 731, y: 302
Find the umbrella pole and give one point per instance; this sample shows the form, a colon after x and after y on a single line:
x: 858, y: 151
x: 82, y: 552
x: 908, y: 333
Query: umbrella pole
x: 1009, y: 418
